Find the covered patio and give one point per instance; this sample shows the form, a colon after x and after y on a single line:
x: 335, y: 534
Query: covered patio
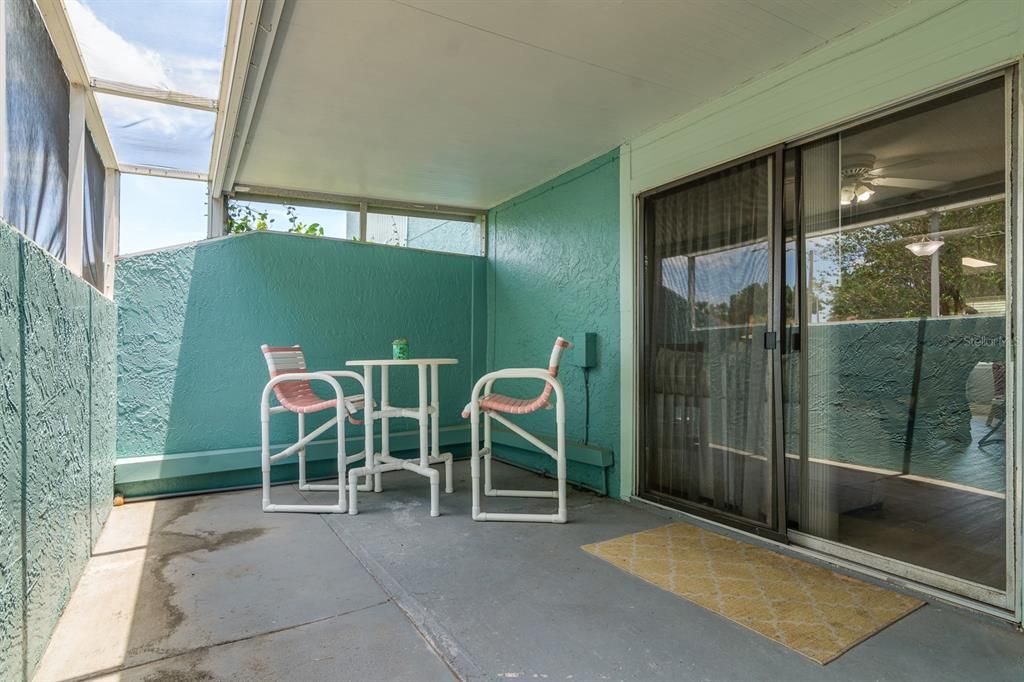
x: 726, y: 293
x: 198, y: 588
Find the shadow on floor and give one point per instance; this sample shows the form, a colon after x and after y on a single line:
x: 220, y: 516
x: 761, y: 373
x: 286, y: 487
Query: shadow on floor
x: 209, y: 587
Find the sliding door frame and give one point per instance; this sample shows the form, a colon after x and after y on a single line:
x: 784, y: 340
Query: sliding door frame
x: 645, y: 365
x: 1004, y: 604
x: 1007, y: 600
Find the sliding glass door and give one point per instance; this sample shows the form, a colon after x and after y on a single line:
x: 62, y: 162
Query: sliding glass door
x: 825, y: 347
x: 900, y: 452
x: 708, y: 344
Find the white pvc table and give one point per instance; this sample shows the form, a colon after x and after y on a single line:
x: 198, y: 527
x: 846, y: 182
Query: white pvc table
x: 378, y: 463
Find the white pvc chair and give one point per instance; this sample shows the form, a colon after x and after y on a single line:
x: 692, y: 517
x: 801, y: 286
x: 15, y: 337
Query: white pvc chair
x: 290, y: 384
x: 493, y: 406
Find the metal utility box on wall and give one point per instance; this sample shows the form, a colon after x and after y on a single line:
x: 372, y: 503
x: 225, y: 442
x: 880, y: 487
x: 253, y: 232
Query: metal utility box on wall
x: 584, y: 350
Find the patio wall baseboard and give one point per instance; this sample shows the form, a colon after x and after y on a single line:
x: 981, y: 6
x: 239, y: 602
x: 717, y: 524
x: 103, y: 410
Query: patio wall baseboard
x: 57, y: 430
x: 215, y: 469
x: 190, y: 472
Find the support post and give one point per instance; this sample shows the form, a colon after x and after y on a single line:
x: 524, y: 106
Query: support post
x: 935, y: 307
x: 215, y: 213
x: 112, y: 227
x: 76, y: 181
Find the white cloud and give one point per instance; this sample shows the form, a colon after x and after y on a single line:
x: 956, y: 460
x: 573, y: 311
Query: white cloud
x: 195, y: 75
x: 146, y: 132
x: 109, y: 55
x: 112, y: 56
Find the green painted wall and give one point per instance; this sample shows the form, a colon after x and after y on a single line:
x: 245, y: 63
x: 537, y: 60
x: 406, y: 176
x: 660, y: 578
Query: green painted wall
x: 858, y: 411
x: 12, y: 593
x: 553, y: 269
x: 191, y: 321
x: 103, y: 394
x: 860, y: 378
x: 57, y: 359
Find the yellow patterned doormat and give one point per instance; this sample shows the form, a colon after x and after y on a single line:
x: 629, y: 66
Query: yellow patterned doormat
x: 811, y: 610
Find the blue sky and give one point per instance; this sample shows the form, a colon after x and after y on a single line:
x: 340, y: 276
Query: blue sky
x: 167, y: 44
x: 172, y: 44
x: 157, y: 212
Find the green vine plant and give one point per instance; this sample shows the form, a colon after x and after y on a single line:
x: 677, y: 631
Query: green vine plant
x: 246, y: 219
x: 298, y: 227
x: 241, y: 219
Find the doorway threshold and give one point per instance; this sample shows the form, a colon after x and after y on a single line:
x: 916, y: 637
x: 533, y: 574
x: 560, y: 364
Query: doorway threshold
x: 844, y: 565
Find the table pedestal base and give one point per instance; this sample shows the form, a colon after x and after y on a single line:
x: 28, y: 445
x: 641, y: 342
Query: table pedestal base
x: 385, y: 463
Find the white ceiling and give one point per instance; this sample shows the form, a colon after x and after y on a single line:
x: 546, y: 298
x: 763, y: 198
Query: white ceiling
x: 469, y: 103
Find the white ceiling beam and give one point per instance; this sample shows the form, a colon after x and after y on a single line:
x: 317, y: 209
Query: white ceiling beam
x: 178, y: 99
x: 153, y: 171
x: 243, y: 22
x: 252, y: 82
x: 351, y: 202
x: 58, y: 25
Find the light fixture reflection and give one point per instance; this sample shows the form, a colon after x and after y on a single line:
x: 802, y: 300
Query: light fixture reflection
x: 855, y: 193
x: 976, y: 262
x: 925, y: 247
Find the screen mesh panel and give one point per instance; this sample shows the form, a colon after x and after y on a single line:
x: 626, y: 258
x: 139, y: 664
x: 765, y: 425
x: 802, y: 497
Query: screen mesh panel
x: 35, y: 193
x: 94, y: 224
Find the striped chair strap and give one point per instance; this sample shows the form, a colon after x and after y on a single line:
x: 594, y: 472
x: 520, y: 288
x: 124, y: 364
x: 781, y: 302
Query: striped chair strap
x: 503, y: 403
x: 284, y: 359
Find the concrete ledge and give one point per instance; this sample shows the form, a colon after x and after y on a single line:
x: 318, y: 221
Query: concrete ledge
x: 155, y: 475
x: 156, y: 467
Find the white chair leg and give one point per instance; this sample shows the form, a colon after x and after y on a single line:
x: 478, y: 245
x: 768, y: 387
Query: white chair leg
x: 474, y: 462
x: 563, y: 512
x: 435, y: 483
x: 448, y: 474
x: 302, y: 452
x: 353, y: 490
x: 342, y: 460
x: 265, y: 458
x: 488, y: 481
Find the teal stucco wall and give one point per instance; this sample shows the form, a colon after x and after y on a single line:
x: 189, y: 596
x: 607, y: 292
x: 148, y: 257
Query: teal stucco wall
x: 191, y: 321
x: 12, y: 595
x: 57, y: 359
x: 860, y: 381
x: 553, y: 269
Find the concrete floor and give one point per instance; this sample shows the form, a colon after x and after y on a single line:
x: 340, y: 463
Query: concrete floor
x: 209, y: 588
